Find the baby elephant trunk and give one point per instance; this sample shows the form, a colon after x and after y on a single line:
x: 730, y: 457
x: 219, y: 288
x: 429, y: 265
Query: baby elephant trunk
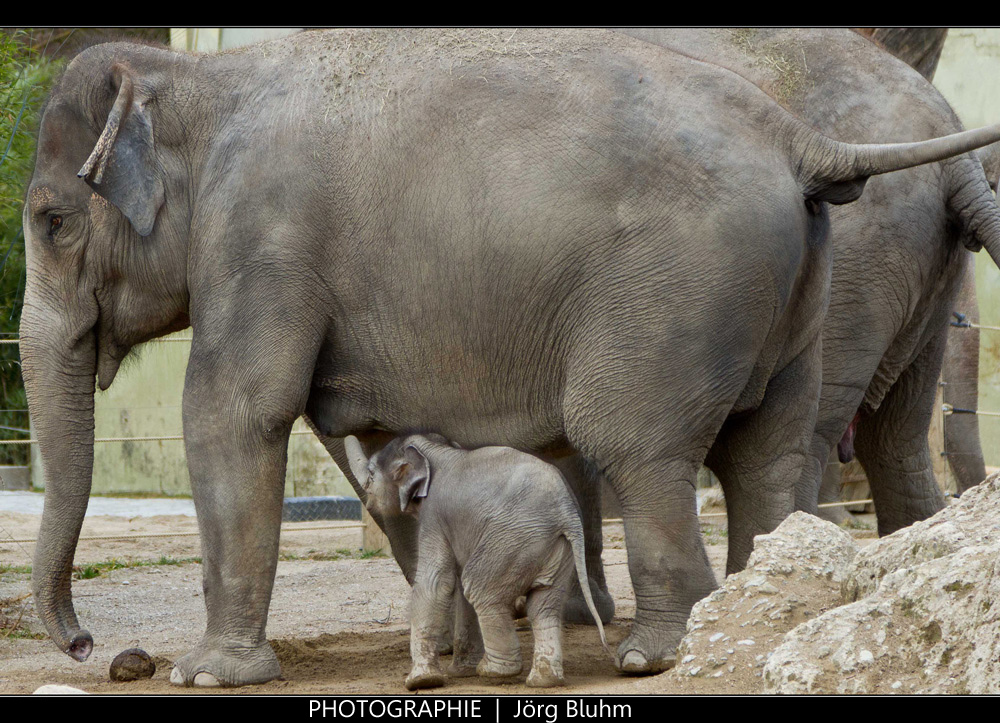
x: 574, y: 534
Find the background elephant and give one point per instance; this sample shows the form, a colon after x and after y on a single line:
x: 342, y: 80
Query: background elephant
x: 900, y: 253
x: 920, y: 48
x: 495, y: 524
x: 546, y: 241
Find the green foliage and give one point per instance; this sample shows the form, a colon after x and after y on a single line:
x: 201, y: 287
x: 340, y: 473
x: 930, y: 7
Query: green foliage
x: 87, y: 572
x: 25, y: 78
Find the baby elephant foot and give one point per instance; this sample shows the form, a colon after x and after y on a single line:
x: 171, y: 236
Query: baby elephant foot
x: 464, y: 661
x: 424, y: 676
x: 206, y: 667
x: 546, y: 674
x: 496, y: 668
x: 445, y: 646
x: 462, y: 670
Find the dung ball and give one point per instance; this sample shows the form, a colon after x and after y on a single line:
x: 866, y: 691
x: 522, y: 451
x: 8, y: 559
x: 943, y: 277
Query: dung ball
x: 132, y: 664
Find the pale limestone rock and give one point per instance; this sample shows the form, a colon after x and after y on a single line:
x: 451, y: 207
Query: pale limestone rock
x: 793, y: 574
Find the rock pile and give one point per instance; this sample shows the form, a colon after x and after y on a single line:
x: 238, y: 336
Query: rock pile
x: 917, y: 611
x: 793, y: 574
x: 925, y: 616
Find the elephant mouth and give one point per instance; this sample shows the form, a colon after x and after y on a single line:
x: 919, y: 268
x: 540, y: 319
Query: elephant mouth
x: 109, y: 361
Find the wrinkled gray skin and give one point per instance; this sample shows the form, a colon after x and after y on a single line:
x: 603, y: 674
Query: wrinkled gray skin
x: 552, y: 240
x: 900, y: 253
x: 920, y: 48
x: 495, y: 524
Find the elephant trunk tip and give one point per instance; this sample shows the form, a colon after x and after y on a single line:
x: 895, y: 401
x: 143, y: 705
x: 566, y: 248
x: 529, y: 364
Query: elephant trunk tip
x: 81, y: 646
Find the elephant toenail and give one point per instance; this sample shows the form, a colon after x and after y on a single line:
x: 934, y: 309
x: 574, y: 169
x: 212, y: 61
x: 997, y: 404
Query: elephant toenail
x: 206, y: 680
x: 634, y: 662
x: 176, y: 676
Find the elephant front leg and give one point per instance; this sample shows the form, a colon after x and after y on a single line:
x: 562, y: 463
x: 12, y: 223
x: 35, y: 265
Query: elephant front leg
x: 236, y: 438
x: 430, y: 605
x: 468, y: 641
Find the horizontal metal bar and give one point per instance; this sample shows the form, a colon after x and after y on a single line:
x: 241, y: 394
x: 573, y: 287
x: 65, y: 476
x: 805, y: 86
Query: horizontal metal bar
x: 151, y: 341
x: 342, y: 526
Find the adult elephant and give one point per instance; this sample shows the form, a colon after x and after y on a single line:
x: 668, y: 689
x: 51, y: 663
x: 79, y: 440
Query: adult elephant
x: 900, y: 254
x: 546, y: 240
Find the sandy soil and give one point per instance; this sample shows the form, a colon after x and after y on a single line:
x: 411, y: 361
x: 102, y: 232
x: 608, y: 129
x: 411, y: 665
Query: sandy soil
x: 339, y: 626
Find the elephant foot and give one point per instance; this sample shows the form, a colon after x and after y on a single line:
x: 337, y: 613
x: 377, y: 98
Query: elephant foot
x: 495, y: 668
x: 647, y: 652
x: 576, y: 611
x: 836, y: 515
x: 445, y: 645
x: 462, y: 669
x: 464, y: 661
x: 210, y: 668
x: 546, y: 674
x: 424, y: 677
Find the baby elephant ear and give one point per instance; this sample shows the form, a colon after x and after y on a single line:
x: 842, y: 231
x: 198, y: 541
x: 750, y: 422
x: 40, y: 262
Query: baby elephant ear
x: 123, y: 167
x: 414, y: 477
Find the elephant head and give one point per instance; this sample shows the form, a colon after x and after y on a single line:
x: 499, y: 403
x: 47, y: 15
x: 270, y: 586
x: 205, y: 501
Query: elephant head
x: 395, y: 479
x: 106, y: 269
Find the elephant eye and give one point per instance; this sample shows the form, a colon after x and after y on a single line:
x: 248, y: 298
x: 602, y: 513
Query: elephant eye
x: 55, y: 223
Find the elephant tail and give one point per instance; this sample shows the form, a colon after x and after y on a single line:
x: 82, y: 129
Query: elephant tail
x: 836, y: 172
x: 574, y: 535
x: 972, y: 203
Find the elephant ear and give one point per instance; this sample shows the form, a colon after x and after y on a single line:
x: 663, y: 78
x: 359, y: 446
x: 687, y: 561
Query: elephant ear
x: 123, y: 167
x: 413, y: 475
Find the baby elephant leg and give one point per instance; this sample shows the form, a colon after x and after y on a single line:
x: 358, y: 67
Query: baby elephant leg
x: 468, y: 641
x: 491, y: 599
x: 429, y: 607
x: 545, y: 611
x: 501, y: 647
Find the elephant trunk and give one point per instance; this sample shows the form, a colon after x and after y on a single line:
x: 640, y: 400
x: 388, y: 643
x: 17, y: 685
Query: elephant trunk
x: 402, y: 530
x: 59, y: 380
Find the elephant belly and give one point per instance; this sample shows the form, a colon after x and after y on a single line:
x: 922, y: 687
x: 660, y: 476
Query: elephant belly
x: 353, y: 405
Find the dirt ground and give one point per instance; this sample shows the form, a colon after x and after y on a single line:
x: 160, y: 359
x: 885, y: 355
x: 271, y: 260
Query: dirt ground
x: 338, y: 620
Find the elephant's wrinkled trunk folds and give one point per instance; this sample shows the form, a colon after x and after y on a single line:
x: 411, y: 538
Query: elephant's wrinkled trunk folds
x: 59, y: 379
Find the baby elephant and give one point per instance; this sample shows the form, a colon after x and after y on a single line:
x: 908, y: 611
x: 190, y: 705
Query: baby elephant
x: 501, y: 522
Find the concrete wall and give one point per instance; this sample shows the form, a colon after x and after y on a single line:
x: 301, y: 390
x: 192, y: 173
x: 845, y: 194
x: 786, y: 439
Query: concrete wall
x: 968, y: 75
x: 208, y: 40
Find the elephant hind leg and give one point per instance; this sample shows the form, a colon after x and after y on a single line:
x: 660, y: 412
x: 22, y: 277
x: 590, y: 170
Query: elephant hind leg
x: 667, y: 561
x: 586, y: 481
x: 545, y: 609
x: 892, y: 445
x: 760, y: 456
